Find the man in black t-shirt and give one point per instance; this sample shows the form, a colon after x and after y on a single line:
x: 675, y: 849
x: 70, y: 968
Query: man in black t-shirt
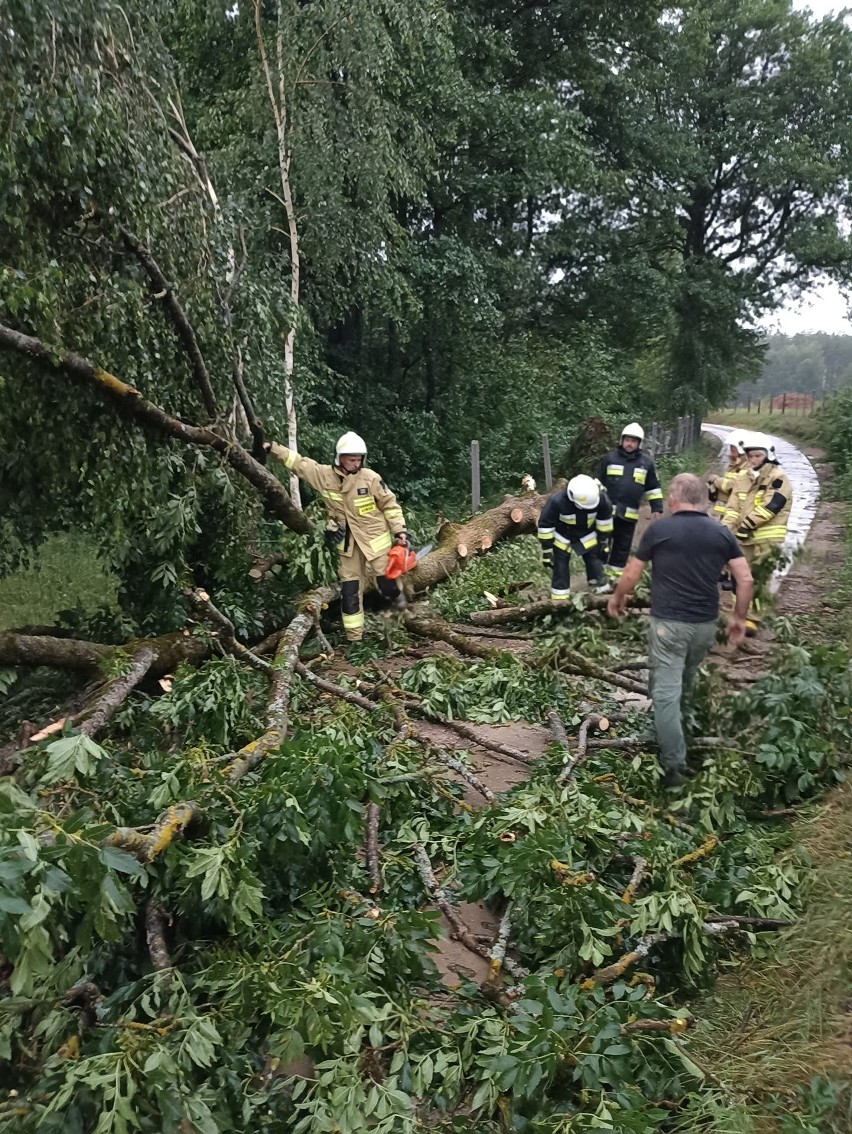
x: 686, y: 550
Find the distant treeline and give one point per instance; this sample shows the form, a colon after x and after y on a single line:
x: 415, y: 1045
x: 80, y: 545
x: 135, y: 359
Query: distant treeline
x: 805, y: 364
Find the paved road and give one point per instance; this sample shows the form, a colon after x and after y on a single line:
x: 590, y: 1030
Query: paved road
x: 805, y: 490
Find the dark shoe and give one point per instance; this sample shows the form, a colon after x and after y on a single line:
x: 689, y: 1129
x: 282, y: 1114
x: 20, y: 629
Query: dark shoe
x: 677, y: 777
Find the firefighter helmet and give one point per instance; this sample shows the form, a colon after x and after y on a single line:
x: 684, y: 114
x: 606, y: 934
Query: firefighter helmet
x: 736, y: 440
x: 584, y: 492
x: 634, y: 429
x: 350, y: 445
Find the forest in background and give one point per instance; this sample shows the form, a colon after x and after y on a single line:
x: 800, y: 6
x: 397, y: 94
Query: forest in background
x: 428, y: 222
x: 802, y: 364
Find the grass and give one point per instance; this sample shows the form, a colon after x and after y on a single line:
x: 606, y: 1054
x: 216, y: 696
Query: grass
x: 793, y: 425
x: 65, y: 573
x: 777, y: 1026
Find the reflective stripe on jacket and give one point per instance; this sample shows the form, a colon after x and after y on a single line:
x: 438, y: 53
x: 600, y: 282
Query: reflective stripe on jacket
x: 723, y: 486
x: 629, y: 479
x: 760, y: 502
x: 562, y: 524
x: 359, y: 503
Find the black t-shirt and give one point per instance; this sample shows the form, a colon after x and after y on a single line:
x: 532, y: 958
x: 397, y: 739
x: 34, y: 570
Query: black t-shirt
x: 687, y: 550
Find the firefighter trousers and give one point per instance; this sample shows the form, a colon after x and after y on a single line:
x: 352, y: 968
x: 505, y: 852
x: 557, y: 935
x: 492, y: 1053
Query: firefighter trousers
x: 356, y: 574
x: 622, y: 541
x: 560, y: 579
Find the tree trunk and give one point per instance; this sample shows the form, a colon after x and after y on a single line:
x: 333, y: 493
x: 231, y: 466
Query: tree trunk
x: 459, y: 543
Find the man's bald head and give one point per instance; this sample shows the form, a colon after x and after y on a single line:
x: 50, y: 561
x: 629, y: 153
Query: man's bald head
x: 688, y: 491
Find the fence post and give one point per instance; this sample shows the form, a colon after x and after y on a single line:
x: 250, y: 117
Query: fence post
x: 548, y: 475
x: 759, y: 403
x: 749, y: 403
x: 784, y: 402
x: 474, y: 476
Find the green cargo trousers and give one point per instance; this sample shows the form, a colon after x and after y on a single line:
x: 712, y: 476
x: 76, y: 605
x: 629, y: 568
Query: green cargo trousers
x: 675, y: 651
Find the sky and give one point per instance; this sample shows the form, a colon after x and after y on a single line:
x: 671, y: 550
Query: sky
x: 821, y: 307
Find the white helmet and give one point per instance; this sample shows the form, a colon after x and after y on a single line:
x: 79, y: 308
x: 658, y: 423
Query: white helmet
x: 736, y: 440
x: 584, y: 492
x: 634, y: 429
x: 758, y: 441
x: 351, y: 445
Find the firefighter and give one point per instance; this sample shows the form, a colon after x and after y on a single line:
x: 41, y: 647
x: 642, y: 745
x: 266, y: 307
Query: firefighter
x: 759, y: 506
x: 720, y: 487
x: 628, y: 477
x: 365, y: 521
x: 577, y: 518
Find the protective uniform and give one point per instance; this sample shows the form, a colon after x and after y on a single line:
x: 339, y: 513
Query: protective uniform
x: 364, y: 520
x: 628, y: 479
x: 565, y: 525
x: 759, y: 508
x: 721, y: 487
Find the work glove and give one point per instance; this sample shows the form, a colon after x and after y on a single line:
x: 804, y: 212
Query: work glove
x: 712, y: 491
x: 746, y: 529
x: 401, y: 539
x: 333, y: 537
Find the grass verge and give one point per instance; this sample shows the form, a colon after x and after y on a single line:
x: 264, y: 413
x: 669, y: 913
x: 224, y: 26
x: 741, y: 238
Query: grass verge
x: 792, y: 426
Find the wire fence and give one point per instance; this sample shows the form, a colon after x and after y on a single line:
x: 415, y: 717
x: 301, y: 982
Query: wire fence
x: 801, y: 405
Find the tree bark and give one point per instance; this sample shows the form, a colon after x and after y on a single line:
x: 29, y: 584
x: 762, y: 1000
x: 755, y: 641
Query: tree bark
x: 459, y: 543
x: 532, y: 610
x: 286, y: 660
x: 75, y: 653
x: 117, y: 692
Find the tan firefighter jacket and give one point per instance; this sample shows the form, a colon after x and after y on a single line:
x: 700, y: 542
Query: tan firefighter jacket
x: 722, y: 486
x: 361, y: 504
x: 760, y: 504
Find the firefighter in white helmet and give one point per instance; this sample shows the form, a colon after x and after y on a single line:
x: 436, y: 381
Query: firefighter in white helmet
x: 720, y: 487
x: 577, y: 518
x: 365, y: 521
x: 629, y: 478
x: 759, y: 506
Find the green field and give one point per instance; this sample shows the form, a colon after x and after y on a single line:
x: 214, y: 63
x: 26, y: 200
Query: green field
x: 794, y: 426
x: 65, y: 573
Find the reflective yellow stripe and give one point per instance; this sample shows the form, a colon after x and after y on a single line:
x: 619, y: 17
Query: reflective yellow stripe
x: 560, y: 543
x: 614, y: 571
x: 327, y: 494
x: 559, y: 596
x: 614, y: 470
x: 640, y: 475
x: 763, y: 512
x: 290, y: 459
x: 546, y: 533
x: 365, y: 506
x: 353, y: 621
x: 568, y: 519
x: 590, y: 540
x: 381, y: 543
x: 769, y: 532
x: 720, y: 508
x: 631, y: 514
x: 604, y: 525
x: 394, y: 514
x: 653, y: 494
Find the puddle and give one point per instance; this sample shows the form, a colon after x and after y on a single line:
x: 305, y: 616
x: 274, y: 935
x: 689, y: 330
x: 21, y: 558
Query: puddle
x: 805, y: 491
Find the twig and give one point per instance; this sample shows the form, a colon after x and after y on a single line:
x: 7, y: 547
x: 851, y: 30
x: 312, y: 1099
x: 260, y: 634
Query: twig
x: 336, y: 690
x: 226, y: 630
x: 185, y: 332
x: 640, y: 869
x: 441, y: 631
x: 372, y: 848
x: 460, y: 930
x: 557, y: 728
x: 492, y: 745
x: 498, y: 949
x: 156, y: 920
x: 146, y: 845
x: 592, y: 720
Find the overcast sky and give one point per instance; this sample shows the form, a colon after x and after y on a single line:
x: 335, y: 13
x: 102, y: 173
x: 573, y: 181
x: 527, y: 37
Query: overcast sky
x: 821, y: 308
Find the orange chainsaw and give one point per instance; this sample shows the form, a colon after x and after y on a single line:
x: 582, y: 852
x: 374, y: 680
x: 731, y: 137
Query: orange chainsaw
x: 402, y: 559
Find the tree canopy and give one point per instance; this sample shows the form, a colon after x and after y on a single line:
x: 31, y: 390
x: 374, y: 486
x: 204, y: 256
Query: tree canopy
x: 429, y: 222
